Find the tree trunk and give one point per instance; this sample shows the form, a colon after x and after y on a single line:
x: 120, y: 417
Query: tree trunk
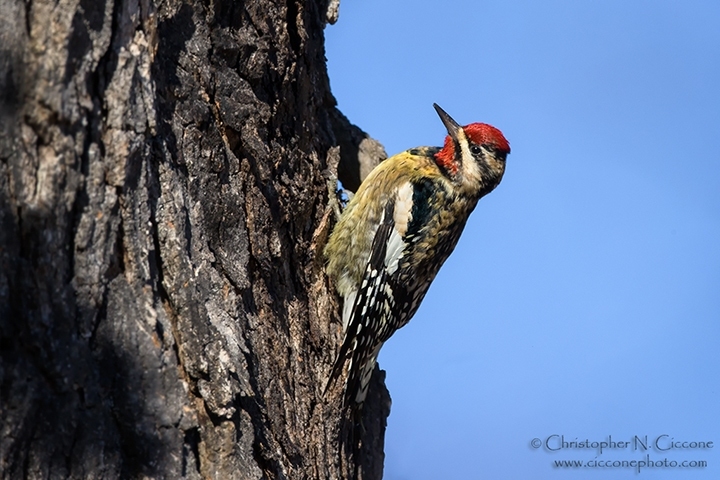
x: 164, y: 310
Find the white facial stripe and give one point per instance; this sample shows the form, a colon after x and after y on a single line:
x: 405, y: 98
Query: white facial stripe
x: 470, y: 169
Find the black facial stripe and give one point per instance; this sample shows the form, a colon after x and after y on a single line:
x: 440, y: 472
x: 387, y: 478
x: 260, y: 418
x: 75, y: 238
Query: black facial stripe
x: 480, y: 151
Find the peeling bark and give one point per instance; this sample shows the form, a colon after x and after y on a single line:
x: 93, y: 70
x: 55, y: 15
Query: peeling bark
x: 164, y: 311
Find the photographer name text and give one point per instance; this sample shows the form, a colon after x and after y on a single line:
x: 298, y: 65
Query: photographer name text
x: 659, y: 443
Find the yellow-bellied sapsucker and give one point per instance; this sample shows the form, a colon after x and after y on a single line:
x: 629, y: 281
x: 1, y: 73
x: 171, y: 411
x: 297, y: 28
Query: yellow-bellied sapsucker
x: 397, y: 231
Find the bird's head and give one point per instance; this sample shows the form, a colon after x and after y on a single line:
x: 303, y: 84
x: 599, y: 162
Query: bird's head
x: 473, y: 155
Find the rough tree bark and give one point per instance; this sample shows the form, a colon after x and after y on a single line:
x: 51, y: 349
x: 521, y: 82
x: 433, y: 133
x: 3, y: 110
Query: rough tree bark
x: 163, y: 205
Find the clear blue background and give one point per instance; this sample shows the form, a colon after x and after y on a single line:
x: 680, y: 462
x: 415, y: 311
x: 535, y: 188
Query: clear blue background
x: 584, y: 297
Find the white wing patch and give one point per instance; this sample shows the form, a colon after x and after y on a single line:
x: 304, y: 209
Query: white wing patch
x: 348, y: 304
x: 403, y: 207
x: 401, y: 218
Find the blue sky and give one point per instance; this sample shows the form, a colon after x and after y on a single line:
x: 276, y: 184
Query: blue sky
x: 584, y: 297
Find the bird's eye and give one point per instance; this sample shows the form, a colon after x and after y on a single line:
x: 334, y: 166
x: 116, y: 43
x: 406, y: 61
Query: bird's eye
x: 475, y: 149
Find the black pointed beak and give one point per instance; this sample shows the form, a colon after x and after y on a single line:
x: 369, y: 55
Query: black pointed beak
x: 452, y: 126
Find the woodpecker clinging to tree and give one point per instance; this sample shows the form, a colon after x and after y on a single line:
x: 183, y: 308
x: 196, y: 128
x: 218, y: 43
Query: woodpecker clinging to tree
x: 396, y: 232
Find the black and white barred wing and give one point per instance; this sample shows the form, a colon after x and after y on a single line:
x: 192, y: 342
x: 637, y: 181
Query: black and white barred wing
x: 371, y: 318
